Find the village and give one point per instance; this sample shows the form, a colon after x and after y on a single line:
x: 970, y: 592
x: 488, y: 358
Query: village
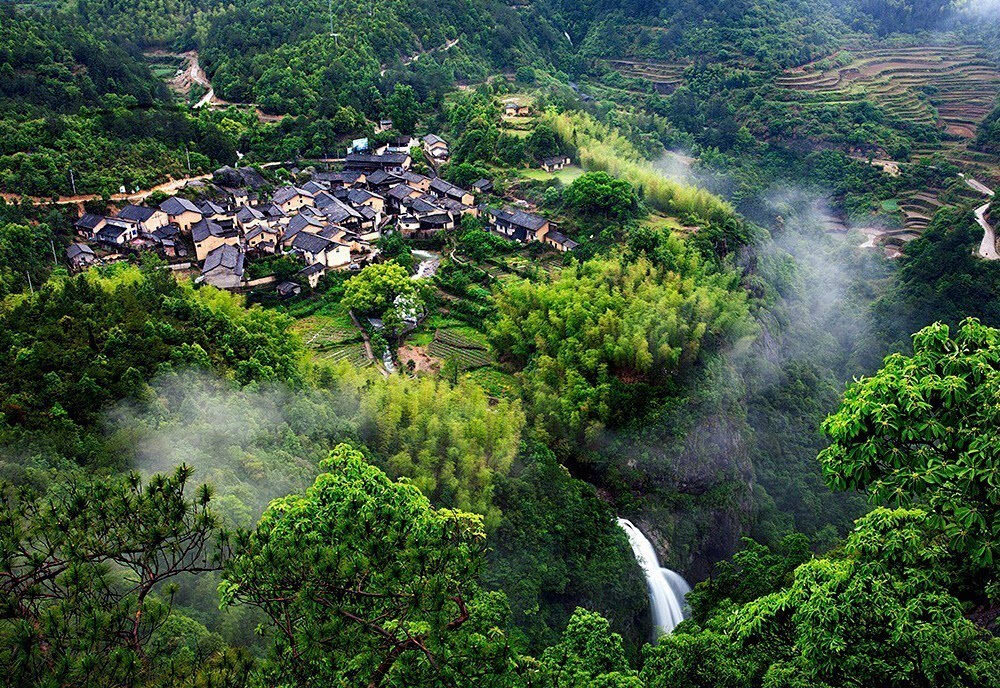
x: 331, y: 222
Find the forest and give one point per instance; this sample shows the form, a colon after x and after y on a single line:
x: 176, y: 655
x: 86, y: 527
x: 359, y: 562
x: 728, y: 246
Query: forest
x: 202, y: 488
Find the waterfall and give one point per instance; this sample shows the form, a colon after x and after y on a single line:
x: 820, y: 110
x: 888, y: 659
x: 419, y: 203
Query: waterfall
x: 666, y: 588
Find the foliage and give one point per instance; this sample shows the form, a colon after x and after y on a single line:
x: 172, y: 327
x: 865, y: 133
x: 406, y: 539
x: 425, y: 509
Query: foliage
x: 377, y: 288
x: 558, y: 547
x: 602, y: 327
x: 599, y: 195
x: 588, y: 655
x: 450, y: 441
x: 879, y: 614
x: 81, y: 343
x: 920, y: 431
x: 82, y: 568
x: 364, y: 583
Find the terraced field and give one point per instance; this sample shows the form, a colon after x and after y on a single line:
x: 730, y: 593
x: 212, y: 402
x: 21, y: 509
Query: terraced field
x: 332, y: 339
x: 951, y: 87
x: 467, y: 353
x: 665, y: 76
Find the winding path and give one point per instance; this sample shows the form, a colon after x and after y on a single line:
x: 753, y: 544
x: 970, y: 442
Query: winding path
x: 988, y: 246
x: 167, y: 187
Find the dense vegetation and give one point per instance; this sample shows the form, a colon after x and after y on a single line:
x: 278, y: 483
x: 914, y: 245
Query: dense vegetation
x: 456, y: 525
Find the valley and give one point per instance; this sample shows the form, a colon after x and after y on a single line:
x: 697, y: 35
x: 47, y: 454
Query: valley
x: 482, y: 343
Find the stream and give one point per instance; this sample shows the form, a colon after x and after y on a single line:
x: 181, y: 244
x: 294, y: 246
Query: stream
x: 428, y: 265
x: 666, y: 588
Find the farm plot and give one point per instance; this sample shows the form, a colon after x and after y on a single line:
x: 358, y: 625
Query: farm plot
x: 951, y: 87
x: 466, y: 352
x: 330, y: 339
x: 665, y: 76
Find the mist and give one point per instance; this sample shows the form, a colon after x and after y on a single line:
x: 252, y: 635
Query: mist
x: 251, y: 445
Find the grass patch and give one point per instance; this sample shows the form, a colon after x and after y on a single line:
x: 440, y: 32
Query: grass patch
x: 566, y: 175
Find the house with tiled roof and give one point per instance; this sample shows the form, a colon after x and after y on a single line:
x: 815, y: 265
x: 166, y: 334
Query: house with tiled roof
x: 224, y: 267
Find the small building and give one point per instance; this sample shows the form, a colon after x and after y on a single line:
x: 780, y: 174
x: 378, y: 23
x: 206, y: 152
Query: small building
x: 80, y: 256
x: 209, y: 235
x: 316, y: 249
x: 224, y: 267
x: 559, y: 241
x: 518, y: 225
x: 90, y: 224
x: 181, y: 212
x: 556, y: 162
x: 390, y: 162
x: 291, y: 198
x: 436, y: 147
x: 313, y: 273
x: 117, y: 232
x: 214, y: 211
x: 482, y: 186
x: 442, y: 189
x: 288, y: 289
x: 402, y: 144
x: 145, y: 219
x: 384, y: 124
x: 512, y: 108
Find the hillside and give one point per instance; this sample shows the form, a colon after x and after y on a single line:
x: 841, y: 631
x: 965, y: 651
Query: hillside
x: 499, y: 343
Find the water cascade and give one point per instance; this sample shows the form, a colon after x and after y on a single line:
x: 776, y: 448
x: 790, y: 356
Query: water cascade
x: 666, y: 588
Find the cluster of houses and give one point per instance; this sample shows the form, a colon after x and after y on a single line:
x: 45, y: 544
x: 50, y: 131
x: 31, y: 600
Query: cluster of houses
x: 331, y: 222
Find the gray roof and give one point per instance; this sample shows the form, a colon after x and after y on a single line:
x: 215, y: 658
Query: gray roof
x: 311, y: 243
x: 248, y: 214
x: 204, y: 228
x: 224, y: 257
x: 287, y: 193
x: 176, y: 205
x: 432, y: 139
x: 90, y: 220
x: 135, y: 213
x: 560, y: 238
x: 209, y: 208
x: 519, y: 218
x: 75, y: 250
x: 555, y: 159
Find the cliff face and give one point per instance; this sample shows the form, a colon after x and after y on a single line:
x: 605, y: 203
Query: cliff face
x: 688, y: 471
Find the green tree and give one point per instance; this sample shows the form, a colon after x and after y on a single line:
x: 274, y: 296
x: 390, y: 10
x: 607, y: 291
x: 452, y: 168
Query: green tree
x: 542, y: 142
x: 376, y: 288
x: 402, y: 106
x: 599, y: 195
x: 82, y: 568
x: 589, y: 655
x: 877, y: 614
x: 924, y: 430
x: 365, y: 583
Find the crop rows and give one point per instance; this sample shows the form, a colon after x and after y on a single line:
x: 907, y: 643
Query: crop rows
x: 467, y: 353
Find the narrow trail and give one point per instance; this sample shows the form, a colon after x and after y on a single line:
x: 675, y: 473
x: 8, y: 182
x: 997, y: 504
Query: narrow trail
x: 410, y: 59
x: 167, y: 187
x: 988, y: 246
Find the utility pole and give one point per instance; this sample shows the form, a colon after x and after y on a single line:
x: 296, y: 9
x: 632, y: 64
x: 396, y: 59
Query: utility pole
x: 72, y: 181
x: 28, y: 275
x: 52, y: 245
x: 187, y: 154
x: 330, y: 6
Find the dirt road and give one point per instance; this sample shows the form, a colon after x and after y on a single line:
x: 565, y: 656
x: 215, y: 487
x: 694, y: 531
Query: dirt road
x: 988, y: 246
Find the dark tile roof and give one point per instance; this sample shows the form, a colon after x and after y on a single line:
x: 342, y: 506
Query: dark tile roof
x: 204, y: 228
x: 76, y: 250
x: 287, y: 193
x: 210, y: 208
x: 225, y: 257
x: 135, y: 213
x: 561, y: 239
x: 519, y: 218
x: 89, y: 221
x: 176, y: 205
x: 312, y: 243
